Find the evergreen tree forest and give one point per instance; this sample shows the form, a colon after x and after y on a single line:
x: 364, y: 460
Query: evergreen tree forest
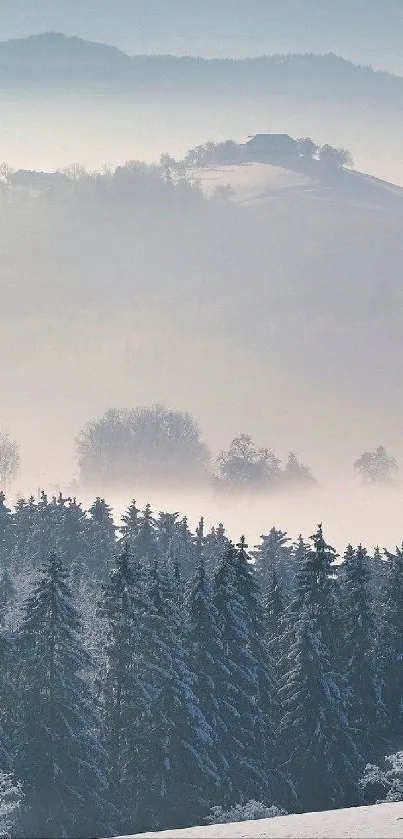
x: 152, y: 675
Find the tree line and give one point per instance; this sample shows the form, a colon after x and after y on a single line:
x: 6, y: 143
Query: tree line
x: 159, y: 445
x: 228, y: 152
x: 158, y: 180
x: 154, y: 677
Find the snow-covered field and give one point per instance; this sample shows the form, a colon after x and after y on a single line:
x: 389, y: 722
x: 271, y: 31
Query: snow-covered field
x: 259, y: 182
x: 250, y: 181
x: 381, y: 821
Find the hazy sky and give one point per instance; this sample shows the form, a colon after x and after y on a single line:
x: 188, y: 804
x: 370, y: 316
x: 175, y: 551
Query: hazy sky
x: 369, y: 31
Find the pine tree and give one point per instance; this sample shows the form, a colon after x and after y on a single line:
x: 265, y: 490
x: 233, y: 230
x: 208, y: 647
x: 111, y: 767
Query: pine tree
x: 130, y: 527
x: 6, y: 534
x: 274, y: 552
x: 215, y: 545
x: 101, y: 532
x: 359, y: 641
x: 247, y: 732
x: 182, y: 770
x: 378, y: 567
x: 391, y: 646
x: 185, y: 550
x: 128, y: 690
x: 318, y: 589
x: 7, y: 697
x: 166, y: 531
x: 321, y: 757
x: 34, y: 532
x: 145, y: 544
x: 169, y: 549
x: 72, y: 539
x: 58, y: 756
x: 44, y: 531
x: 317, y: 744
x: 250, y: 595
x: 274, y: 628
x: 8, y: 595
x: 25, y: 553
x: 206, y: 661
x: 299, y: 549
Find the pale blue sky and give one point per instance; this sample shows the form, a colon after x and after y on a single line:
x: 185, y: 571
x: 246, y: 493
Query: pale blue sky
x: 369, y: 31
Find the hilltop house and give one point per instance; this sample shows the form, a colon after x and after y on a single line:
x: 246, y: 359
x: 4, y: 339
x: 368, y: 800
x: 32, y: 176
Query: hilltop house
x: 269, y: 147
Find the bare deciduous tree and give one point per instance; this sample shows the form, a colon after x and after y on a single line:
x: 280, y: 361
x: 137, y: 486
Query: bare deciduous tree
x: 376, y: 467
x: 245, y: 465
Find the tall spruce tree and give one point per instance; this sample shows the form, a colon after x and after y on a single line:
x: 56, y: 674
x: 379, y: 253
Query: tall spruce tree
x: 145, y: 545
x: 274, y: 629
x: 250, y: 595
x: 274, y: 552
x: 185, y: 549
x: 182, y: 771
x: 215, y: 545
x: 207, y: 662
x: 359, y: 642
x: 378, y: 567
x: 58, y: 754
x: 7, y: 528
x: 24, y: 549
x: 318, y: 588
x: 165, y: 529
x: 72, y: 536
x: 101, y: 535
x: 7, y: 696
x: 391, y: 647
x: 130, y: 524
x: 318, y: 750
x: 247, y: 733
x: 129, y: 692
x: 8, y: 593
x: 168, y: 548
x: 44, y: 530
x: 299, y: 549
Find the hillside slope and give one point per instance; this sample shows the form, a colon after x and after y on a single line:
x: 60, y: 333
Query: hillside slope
x: 383, y: 821
x: 301, y: 295
x: 252, y: 183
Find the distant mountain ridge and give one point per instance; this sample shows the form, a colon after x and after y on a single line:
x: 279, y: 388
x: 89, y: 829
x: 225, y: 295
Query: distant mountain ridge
x: 53, y: 50
x: 54, y: 57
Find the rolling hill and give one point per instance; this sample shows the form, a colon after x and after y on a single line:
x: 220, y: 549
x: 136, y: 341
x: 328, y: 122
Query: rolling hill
x: 57, y: 55
x: 63, y: 99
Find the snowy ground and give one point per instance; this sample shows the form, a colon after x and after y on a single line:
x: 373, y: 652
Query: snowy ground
x: 381, y: 821
x: 259, y: 182
x: 251, y: 181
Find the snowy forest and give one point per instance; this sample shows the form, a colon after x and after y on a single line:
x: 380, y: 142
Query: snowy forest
x: 152, y: 676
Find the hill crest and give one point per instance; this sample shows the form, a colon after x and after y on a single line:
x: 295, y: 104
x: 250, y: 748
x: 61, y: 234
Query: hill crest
x: 48, y: 50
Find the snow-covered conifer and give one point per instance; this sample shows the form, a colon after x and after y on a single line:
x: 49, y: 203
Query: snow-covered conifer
x: 359, y: 649
x: 319, y: 752
x: 274, y: 552
x: 58, y: 755
x: 130, y: 524
x: 101, y: 532
x: 391, y: 646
